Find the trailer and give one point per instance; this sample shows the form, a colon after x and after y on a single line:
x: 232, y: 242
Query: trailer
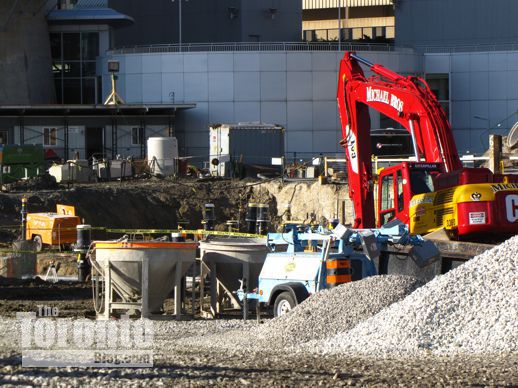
x: 324, y: 259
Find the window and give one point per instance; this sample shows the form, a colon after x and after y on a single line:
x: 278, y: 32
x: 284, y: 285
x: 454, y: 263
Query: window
x: 439, y: 85
x: 400, y: 196
x: 137, y: 136
x: 3, y: 137
x: 387, y: 192
x: 50, y: 136
x: 74, y: 67
x: 421, y: 181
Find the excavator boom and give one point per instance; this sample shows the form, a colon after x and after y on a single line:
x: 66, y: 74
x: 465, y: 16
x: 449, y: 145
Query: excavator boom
x: 436, y: 190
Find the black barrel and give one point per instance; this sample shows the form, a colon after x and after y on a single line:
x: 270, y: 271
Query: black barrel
x: 262, y: 219
x: 251, y: 217
x: 84, y: 238
x: 209, y: 216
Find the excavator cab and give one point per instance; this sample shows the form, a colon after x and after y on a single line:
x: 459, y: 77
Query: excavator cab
x: 398, y: 184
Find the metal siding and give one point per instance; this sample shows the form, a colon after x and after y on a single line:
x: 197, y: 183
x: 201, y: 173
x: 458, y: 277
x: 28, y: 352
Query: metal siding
x: 257, y: 146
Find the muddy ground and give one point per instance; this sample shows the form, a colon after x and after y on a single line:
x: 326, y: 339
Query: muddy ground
x: 161, y: 204
x: 190, y: 364
x: 156, y: 203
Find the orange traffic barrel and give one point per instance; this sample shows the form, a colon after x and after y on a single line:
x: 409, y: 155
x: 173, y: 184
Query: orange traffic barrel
x: 339, y: 271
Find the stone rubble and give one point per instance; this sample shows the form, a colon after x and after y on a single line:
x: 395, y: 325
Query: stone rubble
x: 470, y: 310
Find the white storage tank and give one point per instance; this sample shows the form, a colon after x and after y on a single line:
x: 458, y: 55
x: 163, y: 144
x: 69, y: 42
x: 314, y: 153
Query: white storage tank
x: 162, y: 155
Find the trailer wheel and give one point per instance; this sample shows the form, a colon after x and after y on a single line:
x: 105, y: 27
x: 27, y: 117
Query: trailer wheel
x: 39, y: 243
x: 283, y: 304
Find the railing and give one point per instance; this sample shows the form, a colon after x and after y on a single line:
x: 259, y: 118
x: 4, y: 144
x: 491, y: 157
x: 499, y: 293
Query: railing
x: 325, y: 4
x: 254, y: 46
x: 463, y: 48
x: 375, y: 34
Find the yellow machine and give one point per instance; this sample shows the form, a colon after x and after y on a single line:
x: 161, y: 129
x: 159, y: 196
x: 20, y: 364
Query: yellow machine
x: 466, y: 209
x: 53, y: 228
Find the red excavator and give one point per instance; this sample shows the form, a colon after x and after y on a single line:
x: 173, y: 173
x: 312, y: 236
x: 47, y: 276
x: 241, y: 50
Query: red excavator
x: 434, y: 191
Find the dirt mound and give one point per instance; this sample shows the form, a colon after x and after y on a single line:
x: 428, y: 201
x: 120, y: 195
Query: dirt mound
x: 137, y: 204
x: 43, y: 182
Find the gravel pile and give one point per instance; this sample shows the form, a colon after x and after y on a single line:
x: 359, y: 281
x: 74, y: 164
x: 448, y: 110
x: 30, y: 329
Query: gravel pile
x: 339, y: 309
x: 472, y: 309
x: 326, y: 313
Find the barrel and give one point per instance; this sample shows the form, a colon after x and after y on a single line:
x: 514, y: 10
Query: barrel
x: 84, y: 237
x: 209, y: 216
x: 338, y: 271
x: 251, y: 217
x: 262, y: 219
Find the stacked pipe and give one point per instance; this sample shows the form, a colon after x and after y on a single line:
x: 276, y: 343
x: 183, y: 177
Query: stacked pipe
x: 257, y: 218
x: 84, y: 239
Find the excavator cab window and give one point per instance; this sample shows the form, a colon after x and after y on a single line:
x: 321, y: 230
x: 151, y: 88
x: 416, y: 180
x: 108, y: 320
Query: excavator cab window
x: 387, y: 210
x: 400, y: 195
x: 421, y: 182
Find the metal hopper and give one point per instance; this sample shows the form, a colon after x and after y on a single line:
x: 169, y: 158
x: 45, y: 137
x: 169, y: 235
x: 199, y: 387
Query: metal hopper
x: 139, y: 275
x: 229, y: 261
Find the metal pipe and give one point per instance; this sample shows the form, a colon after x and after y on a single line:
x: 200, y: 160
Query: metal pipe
x: 414, y: 144
x: 339, y: 25
x: 362, y: 60
x: 24, y: 218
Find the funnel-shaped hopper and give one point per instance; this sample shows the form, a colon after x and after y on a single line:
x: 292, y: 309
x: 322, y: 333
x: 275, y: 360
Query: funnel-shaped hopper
x: 126, y: 260
x: 235, y: 259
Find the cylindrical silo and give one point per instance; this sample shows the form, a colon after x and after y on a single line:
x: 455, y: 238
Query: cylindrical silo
x: 162, y: 155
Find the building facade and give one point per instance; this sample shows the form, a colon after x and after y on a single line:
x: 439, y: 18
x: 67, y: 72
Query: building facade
x: 199, y: 84
x: 357, y: 20
x: 208, y: 21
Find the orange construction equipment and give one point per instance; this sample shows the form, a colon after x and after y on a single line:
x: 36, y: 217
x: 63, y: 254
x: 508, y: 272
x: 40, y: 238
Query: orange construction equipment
x: 53, y: 228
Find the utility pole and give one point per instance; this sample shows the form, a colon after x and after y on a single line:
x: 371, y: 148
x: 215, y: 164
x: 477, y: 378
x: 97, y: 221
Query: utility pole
x: 179, y: 23
x: 340, y: 25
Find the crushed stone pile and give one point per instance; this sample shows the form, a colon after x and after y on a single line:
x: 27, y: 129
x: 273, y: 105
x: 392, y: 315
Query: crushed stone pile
x: 335, y: 310
x: 326, y: 313
x: 472, y: 309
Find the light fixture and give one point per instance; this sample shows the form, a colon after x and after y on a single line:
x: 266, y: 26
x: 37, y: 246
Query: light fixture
x: 113, y: 98
x: 113, y: 66
x: 273, y: 12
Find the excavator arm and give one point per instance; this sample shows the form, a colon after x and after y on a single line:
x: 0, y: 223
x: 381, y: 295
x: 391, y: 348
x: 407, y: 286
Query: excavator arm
x: 407, y: 100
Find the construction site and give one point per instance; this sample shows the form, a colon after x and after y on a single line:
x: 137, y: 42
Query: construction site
x: 172, y: 214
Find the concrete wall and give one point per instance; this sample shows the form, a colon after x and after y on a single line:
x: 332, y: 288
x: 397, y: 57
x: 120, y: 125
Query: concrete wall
x: 203, y: 21
x: 25, y: 59
x: 293, y: 89
x: 451, y: 22
x: 482, y: 84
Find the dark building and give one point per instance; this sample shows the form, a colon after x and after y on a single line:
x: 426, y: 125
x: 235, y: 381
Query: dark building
x: 25, y: 60
x: 447, y: 23
x: 208, y: 21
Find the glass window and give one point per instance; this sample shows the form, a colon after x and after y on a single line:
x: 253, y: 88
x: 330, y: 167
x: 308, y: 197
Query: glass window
x: 89, y: 45
x: 59, y: 91
x: 421, y: 182
x: 387, y: 192
x: 400, y: 196
x: 71, y: 69
x: 72, y: 91
x: 89, y: 68
x: 137, y: 136
x: 89, y: 90
x: 4, y: 137
x: 50, y: 136
x: 71, y: 48
x: 55, y: 46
